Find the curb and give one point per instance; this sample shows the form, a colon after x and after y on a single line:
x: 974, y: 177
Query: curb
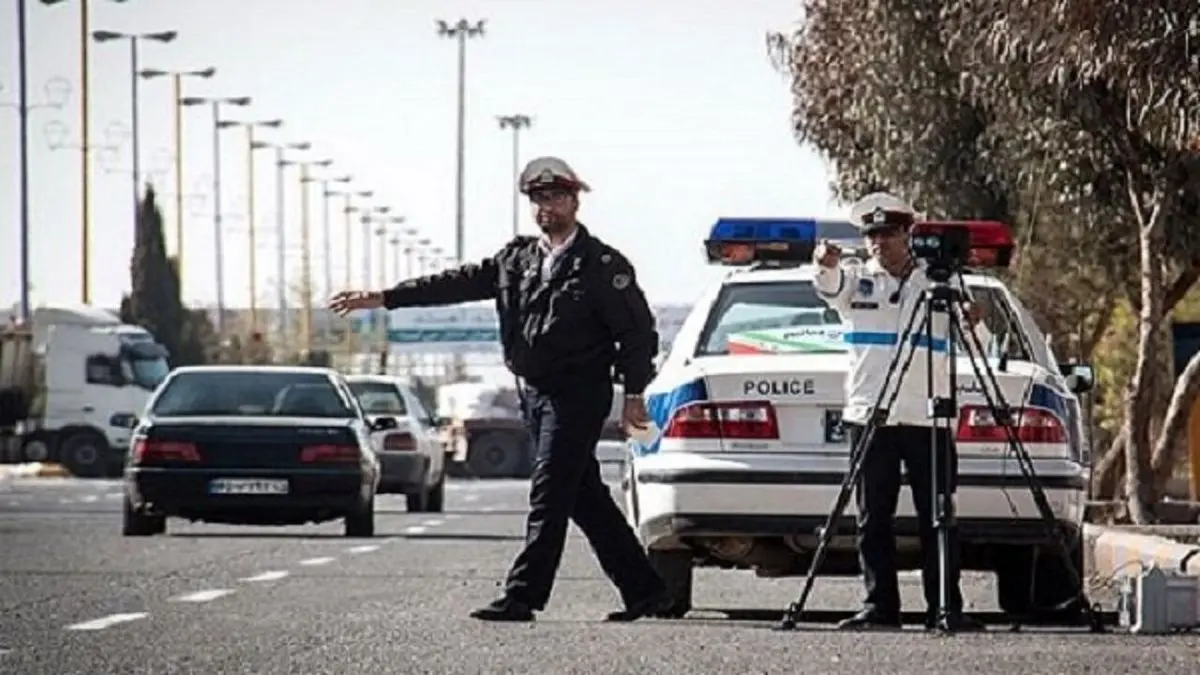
x: 1115, y: 553
x: 34, y: 470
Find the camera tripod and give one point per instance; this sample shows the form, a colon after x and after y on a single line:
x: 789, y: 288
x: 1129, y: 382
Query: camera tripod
x: 941, y: 298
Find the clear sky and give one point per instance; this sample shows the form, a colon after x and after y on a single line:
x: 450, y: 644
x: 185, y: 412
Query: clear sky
x: 670, y: 109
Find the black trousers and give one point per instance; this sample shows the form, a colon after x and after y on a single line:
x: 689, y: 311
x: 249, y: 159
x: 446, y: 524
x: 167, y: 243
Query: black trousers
x: 877, y: 495
x: 565, y: 425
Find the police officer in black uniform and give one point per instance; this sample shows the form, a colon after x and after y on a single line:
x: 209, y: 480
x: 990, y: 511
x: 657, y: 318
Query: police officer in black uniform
x: 570, y: 311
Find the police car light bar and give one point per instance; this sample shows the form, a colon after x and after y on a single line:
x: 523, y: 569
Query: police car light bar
x: 991, y: 242
x: 736, y: 242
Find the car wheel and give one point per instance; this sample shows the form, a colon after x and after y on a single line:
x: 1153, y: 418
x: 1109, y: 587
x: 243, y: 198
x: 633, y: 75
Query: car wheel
x: 1037, y: 584
x: 136, y: 524
x: 676, y: 570
x: 361, y: 523
x: 435, y: 498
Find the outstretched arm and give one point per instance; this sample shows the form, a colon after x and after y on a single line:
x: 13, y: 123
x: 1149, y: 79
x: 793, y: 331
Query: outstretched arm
x: 624, y: 309
x: 473, y: 281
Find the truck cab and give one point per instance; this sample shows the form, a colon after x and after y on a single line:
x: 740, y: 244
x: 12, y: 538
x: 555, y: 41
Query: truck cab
x: 92, y: 368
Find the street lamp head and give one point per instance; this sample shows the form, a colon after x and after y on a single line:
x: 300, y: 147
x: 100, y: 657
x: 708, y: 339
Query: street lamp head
x: 302, y: 145
x: 206, y: 73
x: 260, y: 145
x: 107, y: 35
x: 323, y: 163
x: 192, y: 100
x: 342, y: 179
x: 273, y: 124
x: 242, y: 101
x: 397, y: 220
x: 225, y: 124
x: 162, y: 36
x: 365, y: 194
x: 150, y: 73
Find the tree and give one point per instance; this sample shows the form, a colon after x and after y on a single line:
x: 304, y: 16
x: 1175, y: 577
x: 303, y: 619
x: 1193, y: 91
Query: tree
x: 153, y: 301
x: 1067, y: 118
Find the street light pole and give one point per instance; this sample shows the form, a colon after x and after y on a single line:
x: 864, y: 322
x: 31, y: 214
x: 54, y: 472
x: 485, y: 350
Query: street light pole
x: 23, y: 114
x: 218, y: 247
x: 516, y: 123
x: 461, y: 31
x: 251, y: 216
x: 134, y: 39
x: 177, y: 112
x: 306, y: 250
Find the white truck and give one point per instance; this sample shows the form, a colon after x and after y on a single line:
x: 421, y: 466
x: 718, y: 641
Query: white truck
x: 86, y: 367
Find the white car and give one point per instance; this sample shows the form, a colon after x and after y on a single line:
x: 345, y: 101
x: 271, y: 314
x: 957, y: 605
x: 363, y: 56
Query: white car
x: 412, y: 457
x: 748, y: 454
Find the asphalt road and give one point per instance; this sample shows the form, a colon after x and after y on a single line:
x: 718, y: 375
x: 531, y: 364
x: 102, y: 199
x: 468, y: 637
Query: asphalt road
x: 76, y: 597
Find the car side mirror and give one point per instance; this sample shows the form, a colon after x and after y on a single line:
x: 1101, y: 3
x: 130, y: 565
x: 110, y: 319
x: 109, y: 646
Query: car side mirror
x: 1080, y: 377
x: 123, y: 421
x: 384, y: 423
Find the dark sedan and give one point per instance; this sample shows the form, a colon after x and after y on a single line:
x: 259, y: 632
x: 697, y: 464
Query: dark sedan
x: 248, y: 445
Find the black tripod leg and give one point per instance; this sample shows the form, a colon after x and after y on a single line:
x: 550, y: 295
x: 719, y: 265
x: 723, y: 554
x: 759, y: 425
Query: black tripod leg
x: 879, y: 415
x: 1000, y: 410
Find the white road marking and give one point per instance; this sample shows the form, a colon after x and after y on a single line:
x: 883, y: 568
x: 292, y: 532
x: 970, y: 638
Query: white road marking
x: 108, y: 621
x: 64, y: 500
x: 89, y: 498
x: 470, y: 498
x: 363, y: 549
x: 273, y: 575
x: 316, y: 561
x: 203, y: 596
x: 488, y: 509
x: 4, y: 651
x: 414, y: 529
x: 433, y: 523
x: 452, y: 516
x: 113, y: 495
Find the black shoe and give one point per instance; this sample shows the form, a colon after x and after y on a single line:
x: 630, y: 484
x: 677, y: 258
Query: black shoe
x: 504, y: 609
x: 869, y: 619
x: 658, y: 602
x: 956, y: 622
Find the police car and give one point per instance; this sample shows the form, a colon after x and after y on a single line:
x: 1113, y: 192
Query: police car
x: 746, y: 453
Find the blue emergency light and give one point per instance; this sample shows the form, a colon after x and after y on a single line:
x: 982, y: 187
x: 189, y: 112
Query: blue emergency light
x: 778, y: 241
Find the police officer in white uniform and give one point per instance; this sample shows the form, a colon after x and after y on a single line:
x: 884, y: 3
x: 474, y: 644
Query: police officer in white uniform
x: 876, y: 300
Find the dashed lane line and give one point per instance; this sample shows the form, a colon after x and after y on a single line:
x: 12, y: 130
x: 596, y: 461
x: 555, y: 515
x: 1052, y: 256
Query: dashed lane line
x: 108, y: 621
x: 415, y: 529
x: 203, y: 596
x: 273, y: 575
x: 432, y: 523
x: 362, y: 549
x: 316, y: 561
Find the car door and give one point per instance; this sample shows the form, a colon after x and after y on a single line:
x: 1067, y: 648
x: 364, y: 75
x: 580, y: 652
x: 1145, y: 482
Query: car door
x: 427, y: 437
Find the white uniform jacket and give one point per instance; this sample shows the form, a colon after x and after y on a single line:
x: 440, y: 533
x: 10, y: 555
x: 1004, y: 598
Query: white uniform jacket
x: 862, y: 293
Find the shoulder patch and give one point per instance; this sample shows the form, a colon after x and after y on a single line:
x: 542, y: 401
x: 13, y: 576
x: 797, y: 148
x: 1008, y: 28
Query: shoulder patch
x: 620, y: 281
x: 606, y: 258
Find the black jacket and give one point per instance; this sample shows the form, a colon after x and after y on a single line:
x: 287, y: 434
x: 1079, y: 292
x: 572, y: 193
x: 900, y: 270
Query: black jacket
x: 590, y: 315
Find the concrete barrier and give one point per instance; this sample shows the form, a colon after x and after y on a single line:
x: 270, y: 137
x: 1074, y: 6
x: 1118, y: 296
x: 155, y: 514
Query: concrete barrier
x: 33, y: 470
x: 1114, y: 552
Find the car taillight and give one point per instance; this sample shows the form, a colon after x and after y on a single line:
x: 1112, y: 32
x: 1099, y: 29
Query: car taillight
x: 747, y: 420
x: 150, y: 450
x: 329, y: 453
x: 400, y: 441
x: 976, y: 424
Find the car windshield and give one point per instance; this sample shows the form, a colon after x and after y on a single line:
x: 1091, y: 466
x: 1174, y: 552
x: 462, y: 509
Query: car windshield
x: 789, y: 317
x: 378, y: 398
x: 762, y: 318
x: 251, y: 393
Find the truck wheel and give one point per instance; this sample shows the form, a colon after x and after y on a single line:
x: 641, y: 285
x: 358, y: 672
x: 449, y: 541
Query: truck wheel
x: 85, y: 454
x: 135, y: 524
x: 675, y: 568
x: 498, y: 454
x: 1036, y: 584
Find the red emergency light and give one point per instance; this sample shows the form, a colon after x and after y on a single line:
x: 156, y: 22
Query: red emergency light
x: 991, y: 242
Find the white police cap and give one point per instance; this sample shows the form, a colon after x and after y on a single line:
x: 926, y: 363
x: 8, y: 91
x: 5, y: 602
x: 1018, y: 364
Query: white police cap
x: 880, y: 210
x: 550, y: 172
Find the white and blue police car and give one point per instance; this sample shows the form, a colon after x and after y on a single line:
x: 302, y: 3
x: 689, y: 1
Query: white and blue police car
x: 746, y: 454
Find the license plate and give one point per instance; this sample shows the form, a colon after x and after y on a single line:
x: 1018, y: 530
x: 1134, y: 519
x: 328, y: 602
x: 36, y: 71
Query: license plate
x: 835, y: 431
x: 247, y: 486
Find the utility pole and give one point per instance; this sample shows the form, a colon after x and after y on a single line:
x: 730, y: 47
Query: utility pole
x: 516, y: 123
x: 461, y: 31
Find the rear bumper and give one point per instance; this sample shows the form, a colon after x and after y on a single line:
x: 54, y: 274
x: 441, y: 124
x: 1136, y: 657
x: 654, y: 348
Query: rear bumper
x: 403, y: 472
x: 313, y: 495
x: 794, y: 498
